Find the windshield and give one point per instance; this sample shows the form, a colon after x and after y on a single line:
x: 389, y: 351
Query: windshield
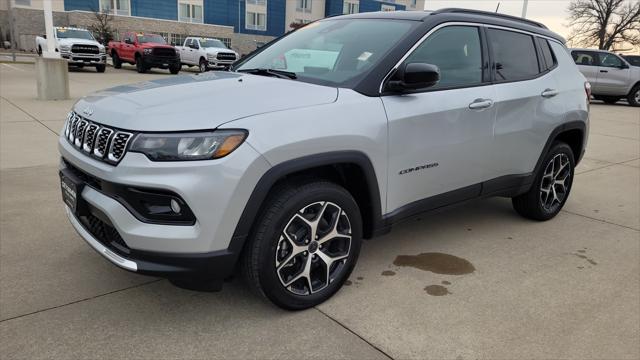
x: 214, y: 43
x: 331, y: 52
x: 151, y: 39
x: 73, y: 34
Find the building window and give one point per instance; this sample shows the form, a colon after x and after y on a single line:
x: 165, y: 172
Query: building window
x: 256, y: 21
x: 351, y: 7
x: 384, y: 7
x: 178, y: 39
x: 190, y: 12
x: 303, y: 21
x: 22, y: 2
x: 303, y: 5
x: 257, y: 2
x: 414, y: 3
x: 116, y: 7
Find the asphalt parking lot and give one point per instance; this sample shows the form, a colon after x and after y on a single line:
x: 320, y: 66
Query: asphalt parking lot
x: 567, y: 288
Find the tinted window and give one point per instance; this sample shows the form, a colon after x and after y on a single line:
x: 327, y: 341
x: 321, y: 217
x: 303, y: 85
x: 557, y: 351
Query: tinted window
x: 586, y: 58
x: 514, y: 55
x: 633, y: 60
x: 547, y: 54
x: 609, y: 60
x: 456, y: 51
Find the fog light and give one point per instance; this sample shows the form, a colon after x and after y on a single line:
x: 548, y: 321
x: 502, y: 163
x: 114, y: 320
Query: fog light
x: 175, y: 206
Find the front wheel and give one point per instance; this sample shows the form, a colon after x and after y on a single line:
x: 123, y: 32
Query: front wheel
x: 101, y: 68
x: 203, y: 65
x: 305, y: 244
x: 551, y: 185
x: 634, y: 96
x: 174, y: 69
x: 140, y: 65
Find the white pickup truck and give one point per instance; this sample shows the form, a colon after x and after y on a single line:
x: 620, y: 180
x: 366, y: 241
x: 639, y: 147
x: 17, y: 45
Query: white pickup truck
x: 206, y: 53
x: 76, y: 45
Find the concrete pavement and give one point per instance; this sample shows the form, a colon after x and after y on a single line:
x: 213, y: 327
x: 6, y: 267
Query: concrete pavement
x: 567, y: 288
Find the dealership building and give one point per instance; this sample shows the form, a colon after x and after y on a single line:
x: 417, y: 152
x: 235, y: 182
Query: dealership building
x: 242, y: 24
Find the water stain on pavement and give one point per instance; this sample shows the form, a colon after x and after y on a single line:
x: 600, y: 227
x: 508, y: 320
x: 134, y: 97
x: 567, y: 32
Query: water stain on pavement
x: 388, y: 273
x: 348, y: 283
x: 445, y: 282
x: 437, y: 290
x: 581, y: 255
x: 360, y: 278
x: 437, y: 263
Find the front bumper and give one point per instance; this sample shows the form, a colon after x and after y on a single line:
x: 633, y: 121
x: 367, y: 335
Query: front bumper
x: 216, y: 191
x: 84, y: 59
x: 161, y: 62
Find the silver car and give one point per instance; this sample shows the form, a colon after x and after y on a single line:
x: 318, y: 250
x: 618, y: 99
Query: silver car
x: 612, y: 78
x: 334, y: 133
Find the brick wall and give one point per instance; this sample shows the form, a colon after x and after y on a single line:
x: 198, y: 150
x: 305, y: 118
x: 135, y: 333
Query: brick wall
x: 30, y: 23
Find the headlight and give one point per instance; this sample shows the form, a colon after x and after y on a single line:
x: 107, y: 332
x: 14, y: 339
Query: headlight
x: 147, y: 51
x: 188, y: 146
x: 102, y: 50
x: 65, y: 47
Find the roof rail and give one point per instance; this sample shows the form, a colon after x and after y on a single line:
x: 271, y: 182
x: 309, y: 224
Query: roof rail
x: 492, y: 14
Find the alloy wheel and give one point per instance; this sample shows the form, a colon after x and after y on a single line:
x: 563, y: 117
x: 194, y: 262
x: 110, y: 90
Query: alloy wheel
x: 637, y: 96
x: 555, y: 182
x: 313, y: 248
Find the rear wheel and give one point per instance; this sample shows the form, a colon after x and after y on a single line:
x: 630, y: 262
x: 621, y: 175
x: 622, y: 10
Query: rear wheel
x: 551, y: 186
x: 140, y: 65
x: 117, y: 63
x: 634, y: 96
x: 305, y: 244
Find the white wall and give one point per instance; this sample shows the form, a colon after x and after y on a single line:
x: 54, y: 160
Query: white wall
x: 317, y: 12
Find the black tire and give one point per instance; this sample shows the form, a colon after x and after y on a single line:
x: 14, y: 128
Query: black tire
x: 174, y: 69
x: 101, y: 68
x: 634, y: 96
x: 266, y: 243
x: 39, y: 50
x: 610, y: 99
x: 140, y: 65
x: 203, y: 66
x: 117, y: 63
x: 533, y: 204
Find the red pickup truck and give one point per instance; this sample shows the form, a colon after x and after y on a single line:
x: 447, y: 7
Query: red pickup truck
x: 145, y: 51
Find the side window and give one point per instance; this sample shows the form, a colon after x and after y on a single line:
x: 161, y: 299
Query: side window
x: 609, y: 60
x: 586, y: 58
x: 456, y: 50
x: 548, y: 55
x: 514, y: 55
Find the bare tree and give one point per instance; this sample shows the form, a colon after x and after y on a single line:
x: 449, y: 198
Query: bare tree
x: 102, y: 26
x: 604, y: 23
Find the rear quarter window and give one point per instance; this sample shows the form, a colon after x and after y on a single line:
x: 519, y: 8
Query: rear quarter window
x: 514, y: 55
x: 547, y: 54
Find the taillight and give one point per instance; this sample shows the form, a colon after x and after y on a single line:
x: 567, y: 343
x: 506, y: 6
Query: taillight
x: 587, y: 90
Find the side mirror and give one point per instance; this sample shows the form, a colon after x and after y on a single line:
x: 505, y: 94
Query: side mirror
x: 414, y: 76
x: 44, y: 36
x: 624, y: 66
x: 194, y: 46
x: 128, y: 41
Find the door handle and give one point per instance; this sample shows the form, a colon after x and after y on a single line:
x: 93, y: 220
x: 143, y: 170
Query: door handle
x: 604, y: 71
x: 549, y: 93
x: 479, y: 104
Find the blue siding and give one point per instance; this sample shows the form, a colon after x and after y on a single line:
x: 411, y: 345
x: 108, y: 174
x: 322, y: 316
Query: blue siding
x: 225, y: 12
x: 333, y: 7
x: 86, y: 5
x: 157, y: 9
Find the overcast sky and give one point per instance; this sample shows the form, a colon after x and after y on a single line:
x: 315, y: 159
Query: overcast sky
x: 552, y: 13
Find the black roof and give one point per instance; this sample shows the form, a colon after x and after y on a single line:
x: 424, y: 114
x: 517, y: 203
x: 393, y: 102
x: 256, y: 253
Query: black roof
x: 457, y: 14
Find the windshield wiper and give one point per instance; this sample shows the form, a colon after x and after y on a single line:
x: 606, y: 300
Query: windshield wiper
x: 271, y: 72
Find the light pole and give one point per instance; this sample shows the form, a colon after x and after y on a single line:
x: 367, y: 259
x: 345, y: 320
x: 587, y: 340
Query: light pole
x: 48, y: 26
x: 52, y: 74
x: 524, y: 9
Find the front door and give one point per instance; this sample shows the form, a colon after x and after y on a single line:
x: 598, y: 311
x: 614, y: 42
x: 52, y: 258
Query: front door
x: 614, y: 74
x: 439, y: 139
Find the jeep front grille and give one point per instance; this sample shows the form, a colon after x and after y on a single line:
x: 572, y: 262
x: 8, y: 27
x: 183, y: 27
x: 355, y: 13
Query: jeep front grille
x: 99, y: 141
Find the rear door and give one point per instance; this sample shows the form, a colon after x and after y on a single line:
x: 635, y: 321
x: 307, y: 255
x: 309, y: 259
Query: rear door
x: 587, y: 62
x: 440, y: 137
x: 614, y: 73
x: 527, y: 105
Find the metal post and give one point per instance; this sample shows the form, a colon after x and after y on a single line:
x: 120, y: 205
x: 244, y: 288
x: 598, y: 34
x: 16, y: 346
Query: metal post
x: 12, y: 32
x: 524, y: 9
x: 48, y: 25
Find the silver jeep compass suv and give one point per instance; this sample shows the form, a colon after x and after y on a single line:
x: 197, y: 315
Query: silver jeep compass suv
x: 327, y: 136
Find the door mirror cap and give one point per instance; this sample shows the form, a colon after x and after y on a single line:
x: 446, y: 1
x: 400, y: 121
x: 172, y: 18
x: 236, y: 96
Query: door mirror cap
x: 414, y: 76
x: 194, y: 46
x: 128, y: 41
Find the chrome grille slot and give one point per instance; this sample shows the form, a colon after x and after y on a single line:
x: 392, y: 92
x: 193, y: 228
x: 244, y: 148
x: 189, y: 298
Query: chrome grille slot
x: 102, y: 142
x: 82, y: 125
x: 118, y: 146
x: 90, y: 137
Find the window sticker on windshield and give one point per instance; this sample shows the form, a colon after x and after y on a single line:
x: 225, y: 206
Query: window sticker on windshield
x: 62, y: 30
x: 364, y: 56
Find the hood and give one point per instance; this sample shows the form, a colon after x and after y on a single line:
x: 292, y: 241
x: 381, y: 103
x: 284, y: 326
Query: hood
x: 198, y: 102
x: 154, y: 45
x: 72, y: 41
x: 215, y: 50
